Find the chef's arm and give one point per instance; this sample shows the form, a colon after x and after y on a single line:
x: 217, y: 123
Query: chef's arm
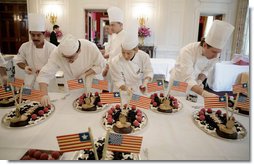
x: 197, y: 89
x: 44, y: 87
x: 89, y: 72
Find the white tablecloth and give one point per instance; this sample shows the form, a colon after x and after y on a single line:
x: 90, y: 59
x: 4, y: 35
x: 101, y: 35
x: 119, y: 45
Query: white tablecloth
x: 224, y: 75
x: 166, y: 137
x: 162, y: 66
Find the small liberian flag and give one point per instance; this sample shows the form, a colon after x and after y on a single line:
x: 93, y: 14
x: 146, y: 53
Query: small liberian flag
x: 215, y: 102
x: 240, y: 88
x: 155, y: 86
x: 75, y: 84
x: 140, y: 101
x: 31, y: 94
x: 109, y: 98
x: 243, y: 102
x: 100, y: 84
x: 17, y: 82
x: 5, y: 92
x: 74, y: 142
x: 124, y: 143
x: 179, y: 86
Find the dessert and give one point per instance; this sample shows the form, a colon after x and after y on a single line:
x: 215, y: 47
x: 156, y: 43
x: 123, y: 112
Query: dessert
x: 164, y: 104
x: 216, y: 124
x: 36, y: 154
x: 124, y: 120
x: 99, y: 144
x: 27, y: 114
x: 88, y: 102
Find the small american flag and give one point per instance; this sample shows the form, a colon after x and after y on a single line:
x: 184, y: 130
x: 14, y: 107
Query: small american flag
x: 75, y: 84
x: 240, y: 88
x: 74, y: 142
x: 155, y: 86
x: 243, y: 102
x: 31, y: 94
x: 5, y: 92
x: 17, y: 82
x: 109, y: 98
x: 124, y: 143
x: 215, y: 102
x: 100, y: 84
x: 179, y: 86
x: 140, y: 101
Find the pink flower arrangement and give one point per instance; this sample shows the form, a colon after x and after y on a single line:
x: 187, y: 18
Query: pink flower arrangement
x: 58, y: 34
x: 144, y: 32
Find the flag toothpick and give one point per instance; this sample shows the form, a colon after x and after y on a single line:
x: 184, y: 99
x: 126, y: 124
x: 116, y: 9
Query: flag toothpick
x: 92, y: 141
x: 105, y: 146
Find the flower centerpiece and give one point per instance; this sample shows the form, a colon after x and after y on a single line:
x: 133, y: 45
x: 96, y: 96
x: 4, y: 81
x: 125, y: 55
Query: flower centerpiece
x: 59, y: 34
x: 143, y: 32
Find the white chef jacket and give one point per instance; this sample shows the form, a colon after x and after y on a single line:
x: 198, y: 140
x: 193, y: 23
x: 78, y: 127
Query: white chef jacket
x: 27, y: 54
x: 130, y: 73
x: 115, y: 45
x: 89, y: 57
x: 190, y: 63
x: 2, y: 61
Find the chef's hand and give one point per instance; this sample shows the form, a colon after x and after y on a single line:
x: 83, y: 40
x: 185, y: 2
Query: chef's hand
x: 208, y: 94
x: 105, y: 71
x: 143, y: 87
x: 45, y: 100
x: 200, y: 84
x: 5, y: 80
x: 28, y: 70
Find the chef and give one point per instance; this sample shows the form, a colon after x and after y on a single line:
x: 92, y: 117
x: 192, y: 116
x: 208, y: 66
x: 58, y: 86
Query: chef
x: 34, y: 54
x: 131, y: 69
x: 197, y: 59
x: 3, y: 72
x: 116, y: 24
x: 77, y: 58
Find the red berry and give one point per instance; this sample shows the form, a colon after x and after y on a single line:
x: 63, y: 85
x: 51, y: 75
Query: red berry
x: 110, y: 120
x: 133, y: 107
x: 55, y: 154
x: 200, y: 113
x: 45, y: 109
x: 41, y: 112
x: 224, y: 115
x: 113, y: 109
x: 218, y: 112
x: 26, y: 157
x: 117, y: 106
x: 109, y: 116
x: 155, y: 95
x: 155, y: 104
x: 209, y: 110
x: 84, y: 95
x: 49, y: 106
x: 110, y: 112
x: 202, y: 117
x: 139, y: 118
x: 99, y: 104
x: 152, y: 101
x: 138, y: 110
x: 139, y: 114
x: 31, y: 152
x: 96, y: 94
x: 125, y: 106
x: 44, y: 156
x: 37, y: 154
x: 161, y: 95
x: 152, y: 97
x: 203, y: 109
x: 136, y: 123
x: 34, y: 116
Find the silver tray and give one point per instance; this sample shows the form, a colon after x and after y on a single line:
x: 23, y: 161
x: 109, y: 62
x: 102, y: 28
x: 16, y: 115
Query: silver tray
x: 99, y: 109
x: 110, y: 128
x: 6, y: 123
x: 80, y: 154
x: 213, y: 133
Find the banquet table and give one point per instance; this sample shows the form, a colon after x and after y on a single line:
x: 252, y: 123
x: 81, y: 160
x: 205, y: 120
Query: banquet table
x: 165, y: 137
x: 224, y: 75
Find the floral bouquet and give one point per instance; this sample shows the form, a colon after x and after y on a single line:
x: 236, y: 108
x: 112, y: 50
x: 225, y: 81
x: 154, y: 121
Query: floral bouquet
x: 58, y: 34
x: 144, y: 32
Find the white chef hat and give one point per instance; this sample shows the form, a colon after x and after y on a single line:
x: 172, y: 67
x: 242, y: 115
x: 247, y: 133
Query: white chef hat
x: 36, y: 22
x: 115, y: 14
x: 131, y: 36
x: 69, y: 45
x: 219, y: 34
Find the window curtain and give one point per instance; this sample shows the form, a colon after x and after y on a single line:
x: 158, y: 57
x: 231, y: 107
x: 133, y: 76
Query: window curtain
x: 239, y: 32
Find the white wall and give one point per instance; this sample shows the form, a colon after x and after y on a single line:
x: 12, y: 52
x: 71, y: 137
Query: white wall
x: 174, y: 23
